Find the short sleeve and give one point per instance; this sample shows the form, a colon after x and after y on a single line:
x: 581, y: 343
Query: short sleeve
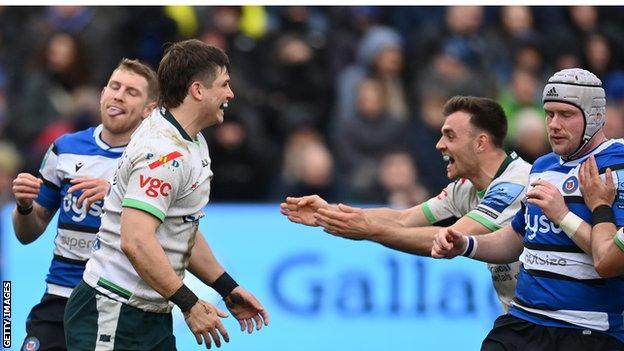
x: 499, y: 205
x: 50, y: 191
x: 518, y: 223
x: 618, y: 203
x: 443, y: 206
x: 154, y: 184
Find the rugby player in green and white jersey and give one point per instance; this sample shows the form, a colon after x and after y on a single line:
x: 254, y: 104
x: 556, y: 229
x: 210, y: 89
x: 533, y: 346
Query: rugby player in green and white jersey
x: 149, y: 232
x: 488, y: 191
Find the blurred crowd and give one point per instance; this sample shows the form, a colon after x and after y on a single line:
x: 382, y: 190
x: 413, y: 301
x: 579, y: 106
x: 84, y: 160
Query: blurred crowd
x: 344, y: 102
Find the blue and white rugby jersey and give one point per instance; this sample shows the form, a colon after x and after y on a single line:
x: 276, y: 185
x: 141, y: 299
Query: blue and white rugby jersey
x: 558, y: 285
x: 73, y: 155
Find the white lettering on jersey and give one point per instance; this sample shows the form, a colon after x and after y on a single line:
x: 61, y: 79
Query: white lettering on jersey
x: 70, y: 202
x: 541, y: 224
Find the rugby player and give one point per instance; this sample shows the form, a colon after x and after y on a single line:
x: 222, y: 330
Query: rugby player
x: 73, y: 180
x: 561, y: 301
x: 486, y: 192
x: 149, y: 233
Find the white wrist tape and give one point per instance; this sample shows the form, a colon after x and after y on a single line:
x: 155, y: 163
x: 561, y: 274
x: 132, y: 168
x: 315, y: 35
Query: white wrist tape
x: 471, y: 246
x: 570, y: 224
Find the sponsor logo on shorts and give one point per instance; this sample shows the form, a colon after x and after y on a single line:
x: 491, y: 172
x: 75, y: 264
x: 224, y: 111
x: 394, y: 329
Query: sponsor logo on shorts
x: 155, y: 186
x: 31, y: 344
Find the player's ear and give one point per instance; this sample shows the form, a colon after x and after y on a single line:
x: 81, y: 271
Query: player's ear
x: 148, y: 109
x: 195, y: 90
x: 482, y: 140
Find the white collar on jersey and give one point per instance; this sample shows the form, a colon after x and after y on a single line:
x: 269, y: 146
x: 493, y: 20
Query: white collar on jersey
x: 97, y: 135
x: 596, y: 150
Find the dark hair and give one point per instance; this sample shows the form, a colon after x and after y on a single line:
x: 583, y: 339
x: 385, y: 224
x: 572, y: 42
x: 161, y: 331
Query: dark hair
x: 77, y: 73
x: 144, y: 71
x: 185, y: 62
x: 485, y: 114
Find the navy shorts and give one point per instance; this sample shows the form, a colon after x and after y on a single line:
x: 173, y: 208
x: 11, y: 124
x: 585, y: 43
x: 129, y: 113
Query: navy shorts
x: 514, y: 334
x: 44, y: 326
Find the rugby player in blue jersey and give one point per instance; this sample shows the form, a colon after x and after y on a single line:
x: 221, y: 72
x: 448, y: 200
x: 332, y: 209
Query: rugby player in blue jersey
x: 73, y: 180
x: 561, y: 301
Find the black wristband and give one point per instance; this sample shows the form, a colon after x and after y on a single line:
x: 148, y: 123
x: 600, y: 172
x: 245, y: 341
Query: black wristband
x: 184, y: 298
x: 224, y: 284
x: 602, y: 214
x: 24, y: 211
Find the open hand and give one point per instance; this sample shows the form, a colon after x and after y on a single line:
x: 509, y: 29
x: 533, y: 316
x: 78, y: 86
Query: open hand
x: 301, y: 210
x: 246, y: 309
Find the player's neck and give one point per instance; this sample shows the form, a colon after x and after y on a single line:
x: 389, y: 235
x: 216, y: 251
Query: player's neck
x: 115, y: 139
x: 489, y: 164
x: 188, y: 118
x: 593, y: 143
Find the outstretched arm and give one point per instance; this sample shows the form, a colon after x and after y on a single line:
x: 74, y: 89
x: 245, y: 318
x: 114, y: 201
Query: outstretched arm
x: 501, y: 246
x: 301, y: 210
x: 354, y: 223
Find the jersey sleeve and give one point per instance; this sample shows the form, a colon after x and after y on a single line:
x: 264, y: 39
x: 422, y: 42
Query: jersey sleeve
x: 50, y: 191
x: 444, y: 206
x: 618, y: 203
x: 518, y: 223
x: 499, y: 205
x: 153, y: 184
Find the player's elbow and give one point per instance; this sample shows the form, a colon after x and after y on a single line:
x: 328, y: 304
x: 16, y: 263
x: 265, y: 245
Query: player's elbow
x: 128, y: 245
x: 606, y: 269
x: 25, y: 239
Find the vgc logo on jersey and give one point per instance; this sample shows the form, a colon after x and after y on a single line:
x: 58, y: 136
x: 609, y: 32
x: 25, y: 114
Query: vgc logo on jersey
x: 155, y: 186
x: 570, y: 185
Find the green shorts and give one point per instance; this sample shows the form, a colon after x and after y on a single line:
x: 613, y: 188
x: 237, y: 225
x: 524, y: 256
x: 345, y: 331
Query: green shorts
x: 94, y: 322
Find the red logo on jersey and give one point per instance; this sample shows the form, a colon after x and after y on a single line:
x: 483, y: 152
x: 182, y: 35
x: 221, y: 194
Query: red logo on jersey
x: 155, y: 186
x: 164, y: 159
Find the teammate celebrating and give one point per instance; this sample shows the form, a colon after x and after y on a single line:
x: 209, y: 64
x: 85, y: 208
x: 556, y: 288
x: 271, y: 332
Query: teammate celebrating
x: 561, y: 302
x: 487, y: 193
x: 149, y: 235
x: 73, y: 180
